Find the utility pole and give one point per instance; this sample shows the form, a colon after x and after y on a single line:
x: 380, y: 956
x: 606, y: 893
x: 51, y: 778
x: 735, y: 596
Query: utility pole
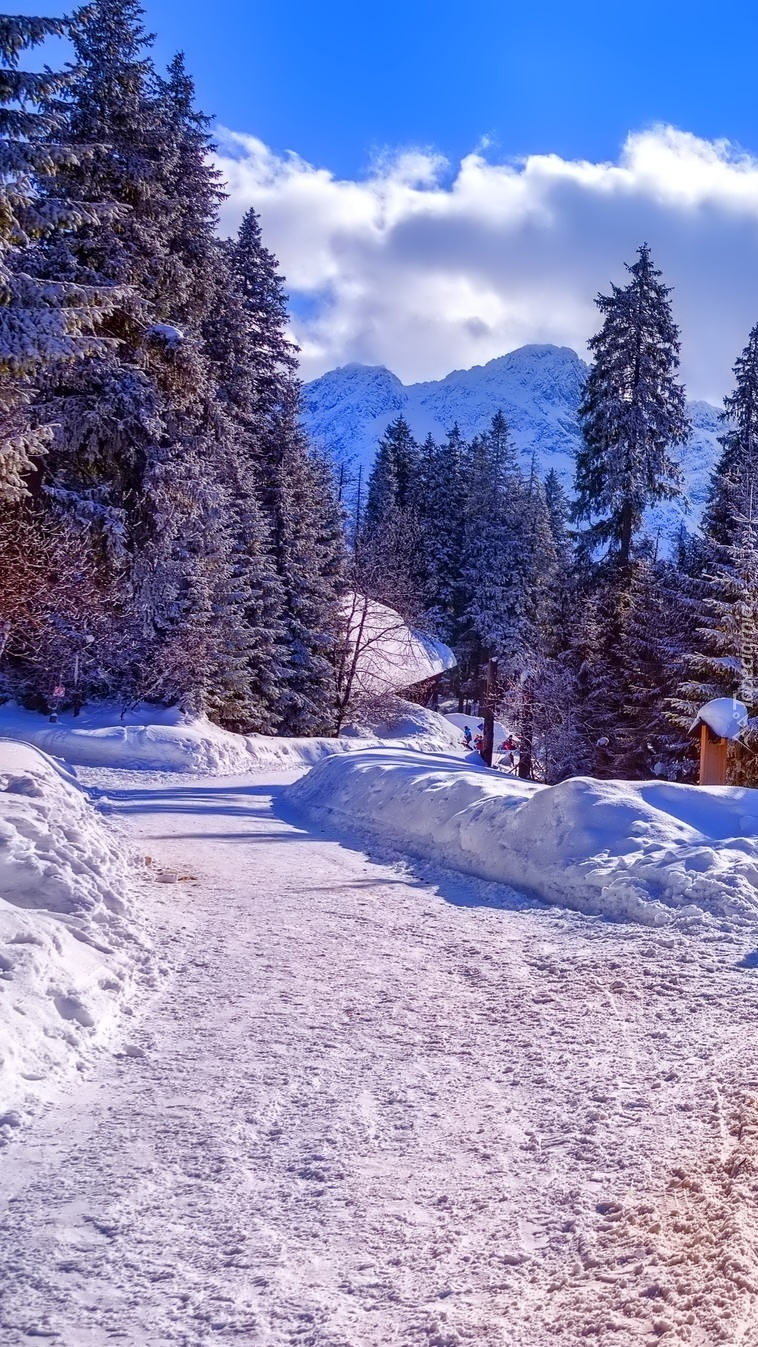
x: 490, y: 693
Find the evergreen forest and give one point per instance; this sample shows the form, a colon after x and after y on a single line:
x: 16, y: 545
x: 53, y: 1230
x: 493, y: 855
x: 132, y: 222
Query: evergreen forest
x: 168, y: 534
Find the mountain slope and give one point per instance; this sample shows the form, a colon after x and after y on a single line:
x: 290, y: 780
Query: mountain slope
x: 538, y: 388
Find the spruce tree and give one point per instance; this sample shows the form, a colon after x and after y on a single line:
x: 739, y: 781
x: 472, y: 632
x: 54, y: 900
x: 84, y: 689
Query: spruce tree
x: 723, y: 648
x: 137, y: 451
x: 734, y: 487
x: 633, y: 412
x: 491, y: 569
x: 658, y: 620
x: 388, y: 557
x: 296, y: 492
x: 42, y: 322
x: 443, y: 491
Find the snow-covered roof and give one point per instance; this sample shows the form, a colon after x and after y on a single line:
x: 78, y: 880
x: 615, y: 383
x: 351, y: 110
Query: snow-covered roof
x: 390, y: 654
x: 725, y: 716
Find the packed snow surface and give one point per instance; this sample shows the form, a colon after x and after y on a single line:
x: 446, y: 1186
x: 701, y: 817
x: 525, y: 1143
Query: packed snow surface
x: 375, y: 1103
x: 165, y: 739
x: 621, y: 849
x: 69, y: 941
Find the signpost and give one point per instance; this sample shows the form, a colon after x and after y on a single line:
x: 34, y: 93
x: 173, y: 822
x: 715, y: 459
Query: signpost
x: 719, y: 721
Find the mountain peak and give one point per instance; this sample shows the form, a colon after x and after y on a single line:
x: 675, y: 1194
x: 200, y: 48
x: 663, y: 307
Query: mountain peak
x: 537, y: 387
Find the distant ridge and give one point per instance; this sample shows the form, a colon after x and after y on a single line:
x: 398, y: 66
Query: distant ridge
x: 538, y: 388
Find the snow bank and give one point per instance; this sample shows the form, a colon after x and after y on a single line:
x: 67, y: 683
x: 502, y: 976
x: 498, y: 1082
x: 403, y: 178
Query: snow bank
x: 151, y: 738
x: 460, y: 722
x: 67, y: 947
x: 161, y: 739
x: 618, y: 849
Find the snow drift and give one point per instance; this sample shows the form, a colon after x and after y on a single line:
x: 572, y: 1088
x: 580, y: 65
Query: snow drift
x: 164, y: 739
x: 151, y: 738
x: 68, y: 945
x: 625, y: 850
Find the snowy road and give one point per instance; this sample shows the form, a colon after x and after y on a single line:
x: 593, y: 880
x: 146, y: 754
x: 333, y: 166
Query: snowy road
x: 377, y: 1105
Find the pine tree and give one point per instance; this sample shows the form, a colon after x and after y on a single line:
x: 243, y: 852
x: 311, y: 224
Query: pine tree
x: 108, y: 409
x: 658, y: 619
x: 633, y: 412
x: 721, y: 658
x: 442, y: 494
x: 42, y: 322
x: 256, y: 704
x: 563, y: 584
x: 136, y: 457
x: 492, y: 499
x: 296, y: 491
x: 722, y: 649
x: 388, y: 557
x: 734, y: 486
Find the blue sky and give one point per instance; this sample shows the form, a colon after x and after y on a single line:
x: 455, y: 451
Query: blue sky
x: 443, y: 182
x: 338, y: 81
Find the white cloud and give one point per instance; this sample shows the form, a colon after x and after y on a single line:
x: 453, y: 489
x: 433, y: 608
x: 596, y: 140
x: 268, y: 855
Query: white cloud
x: 425, y: 269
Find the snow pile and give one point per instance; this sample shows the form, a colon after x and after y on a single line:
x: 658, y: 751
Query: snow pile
x: 460, y: 722
x: 387, y: 654
x: 618, y: 849
x: 67, y: 949
x: 394, y: 724
x: 161, y: 739
x: 403, y: 724
x: 146, y: 737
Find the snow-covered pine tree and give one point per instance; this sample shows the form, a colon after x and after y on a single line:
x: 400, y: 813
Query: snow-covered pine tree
x: 230, y: 334
x: 633, y: 412
x: 139, y: 455
x: 722, y: 653
x: 394, y: 475
x: 723, y: 646
x: 187, y: 574
x: 658, y: 617
x: 443, y: 489
x: 297, y: 492
x: 733, y: 495
x: 524, y: 614
x: 493, y: 500
x: 107, y: 409
x: 554, y: 685
x: 42, y: 322
x: 388, y: 554
x: 563, y: 585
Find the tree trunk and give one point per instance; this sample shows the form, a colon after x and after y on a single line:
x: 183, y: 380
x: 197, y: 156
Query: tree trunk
x: 488, y: 735
x: 625, y: 542
x: 525, y: 757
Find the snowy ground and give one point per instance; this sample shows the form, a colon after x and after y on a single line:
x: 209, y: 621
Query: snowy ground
x: 72, y: 945
x: 375, y: 1102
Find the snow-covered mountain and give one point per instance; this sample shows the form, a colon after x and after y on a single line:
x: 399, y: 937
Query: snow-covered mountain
x: 538, y: 388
